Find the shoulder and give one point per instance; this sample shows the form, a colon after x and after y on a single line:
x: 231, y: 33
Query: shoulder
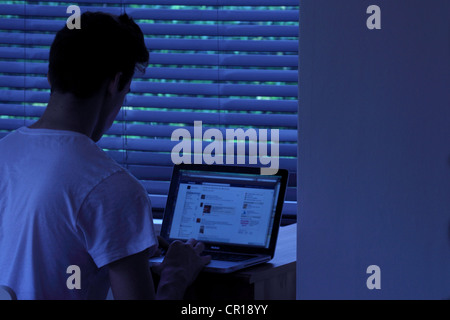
x: 116, y: 219
x: 119, y: 189
x: 121, y: 180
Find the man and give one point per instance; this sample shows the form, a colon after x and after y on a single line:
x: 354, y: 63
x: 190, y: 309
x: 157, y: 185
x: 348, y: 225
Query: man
x: 64, y: 202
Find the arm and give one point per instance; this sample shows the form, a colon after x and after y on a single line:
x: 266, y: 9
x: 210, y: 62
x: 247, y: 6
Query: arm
x: 180, y: 268
x: 131, y: 278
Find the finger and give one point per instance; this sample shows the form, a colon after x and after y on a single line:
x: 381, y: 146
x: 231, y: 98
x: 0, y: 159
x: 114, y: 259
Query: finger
x: 192, y: 242
x: 157, y: 253
x: 199, y: 247
x: 206, y: 259
x: 176, y: 243
x: 162, y: 243
x: 157, y: 268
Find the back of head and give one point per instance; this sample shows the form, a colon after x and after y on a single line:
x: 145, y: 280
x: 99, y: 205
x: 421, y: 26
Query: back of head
x: 82, y: 59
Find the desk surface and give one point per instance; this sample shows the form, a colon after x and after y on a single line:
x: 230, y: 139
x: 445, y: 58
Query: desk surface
x: 272, y: 280
x: 285, y: 257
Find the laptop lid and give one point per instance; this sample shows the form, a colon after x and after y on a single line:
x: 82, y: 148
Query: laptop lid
x: 228, y: 208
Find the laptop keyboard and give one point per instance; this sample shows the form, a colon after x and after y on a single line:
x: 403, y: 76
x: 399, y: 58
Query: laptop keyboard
x: 233, y: 257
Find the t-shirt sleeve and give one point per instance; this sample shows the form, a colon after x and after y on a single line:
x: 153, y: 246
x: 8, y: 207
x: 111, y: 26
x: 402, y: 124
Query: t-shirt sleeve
x: 116, y: 219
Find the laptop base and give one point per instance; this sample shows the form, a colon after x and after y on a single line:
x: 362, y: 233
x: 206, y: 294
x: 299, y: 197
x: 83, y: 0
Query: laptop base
x: 220, y: 266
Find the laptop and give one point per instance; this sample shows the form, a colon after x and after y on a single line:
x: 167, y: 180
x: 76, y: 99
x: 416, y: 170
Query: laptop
x: 235, y: 211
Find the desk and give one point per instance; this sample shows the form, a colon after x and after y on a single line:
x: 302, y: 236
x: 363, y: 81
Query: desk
x: 274, y: 280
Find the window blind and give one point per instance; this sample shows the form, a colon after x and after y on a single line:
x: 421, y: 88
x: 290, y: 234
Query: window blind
x: 226, y: 63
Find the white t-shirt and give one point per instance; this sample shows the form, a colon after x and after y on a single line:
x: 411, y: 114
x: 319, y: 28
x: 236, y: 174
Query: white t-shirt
x: 64, y: 202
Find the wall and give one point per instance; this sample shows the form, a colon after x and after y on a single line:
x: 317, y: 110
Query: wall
x: 374, y: 150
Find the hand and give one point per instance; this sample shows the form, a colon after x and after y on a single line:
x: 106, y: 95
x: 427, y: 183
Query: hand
x: 183, y: 261
x: 163, y: 245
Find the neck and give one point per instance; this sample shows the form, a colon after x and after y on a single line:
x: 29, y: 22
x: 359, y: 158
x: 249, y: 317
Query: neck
x: 66, y: 112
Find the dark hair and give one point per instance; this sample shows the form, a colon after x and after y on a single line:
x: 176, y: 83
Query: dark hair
x: 82, y: 59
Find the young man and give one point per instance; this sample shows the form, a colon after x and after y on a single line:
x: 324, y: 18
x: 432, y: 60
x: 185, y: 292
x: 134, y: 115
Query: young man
x: 64, y: 202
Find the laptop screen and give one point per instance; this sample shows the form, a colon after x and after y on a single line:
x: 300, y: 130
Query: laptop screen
x: 224, y: 207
